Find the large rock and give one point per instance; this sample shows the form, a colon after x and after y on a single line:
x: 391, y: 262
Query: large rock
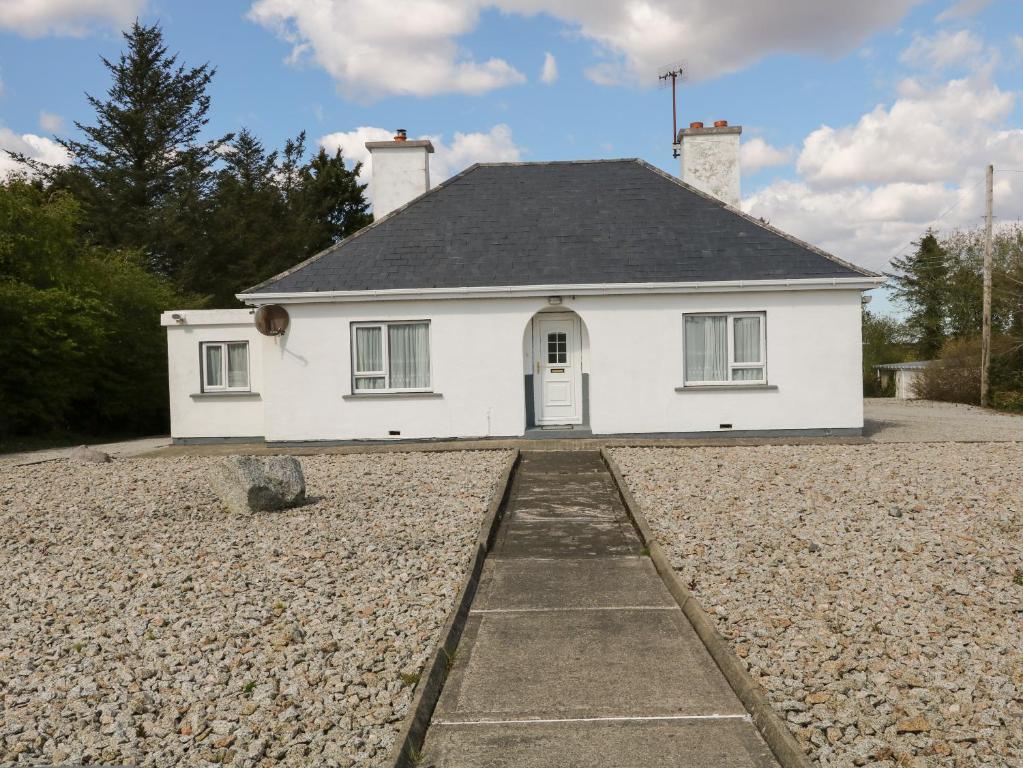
x: 259, y: 484
x: 89, y: 455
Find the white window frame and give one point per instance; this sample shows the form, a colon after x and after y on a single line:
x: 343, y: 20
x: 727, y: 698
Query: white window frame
x: 730, y: 318
x: 386, y: 358
x: 205, y: 385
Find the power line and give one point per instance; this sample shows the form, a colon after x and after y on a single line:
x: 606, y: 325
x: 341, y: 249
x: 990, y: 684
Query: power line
x: 956, y: 204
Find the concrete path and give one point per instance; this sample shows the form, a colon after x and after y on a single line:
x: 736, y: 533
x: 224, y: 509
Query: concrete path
x: 123, y: 449
x: 574, y: 653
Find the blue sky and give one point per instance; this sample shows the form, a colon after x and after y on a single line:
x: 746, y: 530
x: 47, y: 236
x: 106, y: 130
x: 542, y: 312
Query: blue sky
x: 867, y: 123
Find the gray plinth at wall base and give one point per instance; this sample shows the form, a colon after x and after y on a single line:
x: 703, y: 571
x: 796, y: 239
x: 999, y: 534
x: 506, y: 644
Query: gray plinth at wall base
x: 216, y: 440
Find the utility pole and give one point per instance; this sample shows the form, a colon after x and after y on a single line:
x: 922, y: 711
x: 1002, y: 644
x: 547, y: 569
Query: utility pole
x: 985, y: 339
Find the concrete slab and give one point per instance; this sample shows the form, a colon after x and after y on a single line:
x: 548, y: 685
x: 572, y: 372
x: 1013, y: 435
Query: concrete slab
x: 563, y: 583
x: 561, y: 462
x: 558, y: 538
x: 582, y: 664
x: 627, y: 744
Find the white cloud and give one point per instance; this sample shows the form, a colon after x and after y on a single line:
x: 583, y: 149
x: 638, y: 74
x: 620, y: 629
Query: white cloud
x: 868, y: 189
x: 34, y: 18
x: 963, y: 8
x: 493, y: 146
x: 30, y: 145
x: 928, y: 134
x: 943, y: 49
x: 549, y: 72
x: 757, y: 153
x: 375, y: 49
x: 50, y: 122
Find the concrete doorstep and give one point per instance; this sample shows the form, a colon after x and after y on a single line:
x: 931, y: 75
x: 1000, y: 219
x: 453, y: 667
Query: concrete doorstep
x: 574, y: 653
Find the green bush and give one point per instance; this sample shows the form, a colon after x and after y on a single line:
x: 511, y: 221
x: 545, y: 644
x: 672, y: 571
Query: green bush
x: 82, y: 346
x: 1008, y: 401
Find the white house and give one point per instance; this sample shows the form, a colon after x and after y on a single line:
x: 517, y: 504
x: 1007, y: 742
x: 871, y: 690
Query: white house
x: 536, y: 299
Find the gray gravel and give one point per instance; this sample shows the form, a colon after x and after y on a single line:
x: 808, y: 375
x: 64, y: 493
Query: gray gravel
x: 875, y: 591
x: 887, y: 420
x: 145, y: 625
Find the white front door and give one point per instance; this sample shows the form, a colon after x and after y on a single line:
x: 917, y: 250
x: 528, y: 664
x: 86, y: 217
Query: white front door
x: 557, y: 382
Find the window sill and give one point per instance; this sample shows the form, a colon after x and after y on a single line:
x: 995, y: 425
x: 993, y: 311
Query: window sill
x: 238, y: 394
x: 727, y: 387
x: 391, y: 395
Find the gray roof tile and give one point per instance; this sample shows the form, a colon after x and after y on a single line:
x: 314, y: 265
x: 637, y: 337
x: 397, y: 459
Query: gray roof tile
x: 563, y: 223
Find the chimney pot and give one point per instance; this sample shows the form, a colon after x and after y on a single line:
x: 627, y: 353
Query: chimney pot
x: 720, y: 123
x: 401, y: 135
x: 696, y: 124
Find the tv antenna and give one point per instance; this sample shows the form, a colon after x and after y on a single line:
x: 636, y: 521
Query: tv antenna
x: 673, y: 73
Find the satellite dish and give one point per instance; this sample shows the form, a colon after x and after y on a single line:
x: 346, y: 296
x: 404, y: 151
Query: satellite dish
x: 272, y: 320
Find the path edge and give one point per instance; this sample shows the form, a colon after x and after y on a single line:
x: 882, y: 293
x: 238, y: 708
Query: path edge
x: 406, y: 749
x: 771, y: 726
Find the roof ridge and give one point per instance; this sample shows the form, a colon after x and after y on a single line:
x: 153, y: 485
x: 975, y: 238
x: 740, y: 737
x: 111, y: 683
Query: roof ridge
x: 759, y: 222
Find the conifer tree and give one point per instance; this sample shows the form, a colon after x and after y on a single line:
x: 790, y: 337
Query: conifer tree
x: 920, y: 282
x: 143, y: 165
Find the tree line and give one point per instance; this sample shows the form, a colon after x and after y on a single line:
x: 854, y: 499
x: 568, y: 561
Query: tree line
x: 151, y: 214
x: 940, y: 287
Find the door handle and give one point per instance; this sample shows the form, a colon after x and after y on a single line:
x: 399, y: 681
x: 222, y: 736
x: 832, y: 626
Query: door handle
x: 538, y: 366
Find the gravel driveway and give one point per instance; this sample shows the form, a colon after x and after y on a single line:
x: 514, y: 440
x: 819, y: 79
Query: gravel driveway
x: 144, y: 625
x: 887, y: 420
x: 875, y: 591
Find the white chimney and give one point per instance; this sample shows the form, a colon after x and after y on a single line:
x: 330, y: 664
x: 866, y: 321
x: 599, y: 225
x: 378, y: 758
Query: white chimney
x: 710, y: 159
x: 401, y: 172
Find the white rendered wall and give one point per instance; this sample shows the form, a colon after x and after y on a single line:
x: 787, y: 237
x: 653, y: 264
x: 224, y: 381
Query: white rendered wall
x: 633, y: 354
x: 636, y: 358
x: 906, y: 382
x: 710, y: 162
x: 193, y: 414
x: 400, y: 174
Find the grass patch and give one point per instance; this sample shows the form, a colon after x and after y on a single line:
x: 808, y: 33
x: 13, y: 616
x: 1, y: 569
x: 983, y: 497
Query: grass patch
x: 410, y: 679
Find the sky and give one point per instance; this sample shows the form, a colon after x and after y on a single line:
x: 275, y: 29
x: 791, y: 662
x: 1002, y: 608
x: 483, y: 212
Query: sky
x: 863, y: 123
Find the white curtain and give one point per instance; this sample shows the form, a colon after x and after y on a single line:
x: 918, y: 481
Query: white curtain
x: 747, y: 339
x: 238, y: 365
x: 747, y: 348
x: 369, y: 350
x: 214, y: 365
x: 408, y: 348
x: 369, y: 356
x: 707, y: 348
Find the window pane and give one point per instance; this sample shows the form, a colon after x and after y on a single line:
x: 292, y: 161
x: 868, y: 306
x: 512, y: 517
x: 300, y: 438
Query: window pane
x: 747, y: 340
x: 214, y: 365
x: 557, y: 348
x: 706, y: 348
x: 408, y: 351
x: 238, y: 365
x: 370, y: 382
x: 369, y: 350
x: 747, y: 374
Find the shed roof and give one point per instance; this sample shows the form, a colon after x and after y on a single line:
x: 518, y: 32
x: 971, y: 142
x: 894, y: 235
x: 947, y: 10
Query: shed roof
x: 559, y: 223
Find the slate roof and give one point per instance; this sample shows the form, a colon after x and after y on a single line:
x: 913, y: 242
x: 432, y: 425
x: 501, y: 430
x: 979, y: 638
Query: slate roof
x: 559, y: 223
